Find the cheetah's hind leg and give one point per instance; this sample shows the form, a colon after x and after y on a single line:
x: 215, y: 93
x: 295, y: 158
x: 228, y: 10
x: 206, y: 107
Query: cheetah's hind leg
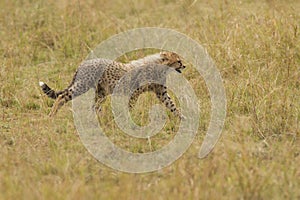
x: 59, y: 102
x: 100, y: 97
x: 97, y: 105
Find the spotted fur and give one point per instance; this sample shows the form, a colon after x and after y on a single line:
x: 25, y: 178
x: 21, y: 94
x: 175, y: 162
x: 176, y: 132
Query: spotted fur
x: 106, y: 74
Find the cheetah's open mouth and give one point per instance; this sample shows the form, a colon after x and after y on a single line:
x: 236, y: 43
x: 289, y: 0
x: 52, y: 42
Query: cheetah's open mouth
x: 178, y: 70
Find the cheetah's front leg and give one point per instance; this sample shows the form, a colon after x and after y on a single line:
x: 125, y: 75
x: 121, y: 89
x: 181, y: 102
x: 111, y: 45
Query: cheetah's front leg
x: 164, y: 97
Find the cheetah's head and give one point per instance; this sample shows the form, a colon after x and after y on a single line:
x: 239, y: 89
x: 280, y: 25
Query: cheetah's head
x: 172, y: 60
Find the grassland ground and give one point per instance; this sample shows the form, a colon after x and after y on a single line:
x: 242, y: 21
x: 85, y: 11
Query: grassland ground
x: 255, y: 45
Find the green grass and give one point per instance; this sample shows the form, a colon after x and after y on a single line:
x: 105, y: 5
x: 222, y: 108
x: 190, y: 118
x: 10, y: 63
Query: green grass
x: 255, y: 45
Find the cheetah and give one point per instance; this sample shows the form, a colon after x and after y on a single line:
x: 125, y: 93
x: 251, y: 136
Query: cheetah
x: 104, y: 74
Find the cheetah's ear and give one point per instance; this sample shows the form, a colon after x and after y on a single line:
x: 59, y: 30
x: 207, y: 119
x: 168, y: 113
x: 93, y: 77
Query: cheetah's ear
x: 164, y: 55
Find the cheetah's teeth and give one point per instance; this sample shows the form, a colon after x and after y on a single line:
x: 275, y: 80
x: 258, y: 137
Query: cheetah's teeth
x: 41, y: 83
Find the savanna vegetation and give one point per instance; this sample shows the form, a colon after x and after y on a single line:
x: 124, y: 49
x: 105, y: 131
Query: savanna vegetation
x: 255, y: 46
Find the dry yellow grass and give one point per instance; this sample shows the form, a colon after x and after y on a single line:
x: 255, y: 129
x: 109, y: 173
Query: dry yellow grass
x: 256, y: 47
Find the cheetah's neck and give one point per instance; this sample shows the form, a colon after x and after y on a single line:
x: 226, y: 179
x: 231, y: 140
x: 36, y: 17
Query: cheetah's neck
x: 154, y: 58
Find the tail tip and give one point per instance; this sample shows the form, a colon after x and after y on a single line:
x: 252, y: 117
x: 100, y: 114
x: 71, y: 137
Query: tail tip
x: 41, y: 83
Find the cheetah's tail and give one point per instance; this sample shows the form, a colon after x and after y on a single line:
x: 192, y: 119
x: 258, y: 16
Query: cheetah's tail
x: 48, y: 91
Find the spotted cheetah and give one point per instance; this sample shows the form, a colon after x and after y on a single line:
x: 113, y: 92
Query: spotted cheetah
x: 106, y: 73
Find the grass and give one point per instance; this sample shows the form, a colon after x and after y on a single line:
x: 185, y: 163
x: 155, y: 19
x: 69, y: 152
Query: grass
x: 255, y: 45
